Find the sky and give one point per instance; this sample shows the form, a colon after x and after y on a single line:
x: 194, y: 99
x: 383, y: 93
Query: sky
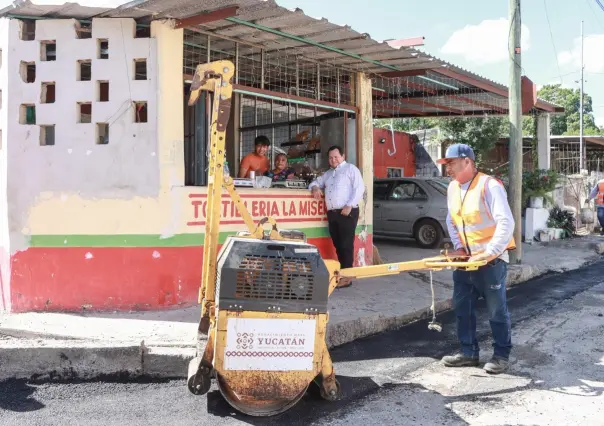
x: 473, y: 34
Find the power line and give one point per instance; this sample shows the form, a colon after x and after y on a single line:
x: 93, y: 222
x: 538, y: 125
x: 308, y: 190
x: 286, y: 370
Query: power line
x: 552, y: 39
x: 594, y: 13
x: 512, y: 58
x: 570, y: 73
x: 600, y: 4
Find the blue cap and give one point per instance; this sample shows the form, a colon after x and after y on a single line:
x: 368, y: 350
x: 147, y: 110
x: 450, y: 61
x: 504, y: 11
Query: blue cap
x: 458, y: 150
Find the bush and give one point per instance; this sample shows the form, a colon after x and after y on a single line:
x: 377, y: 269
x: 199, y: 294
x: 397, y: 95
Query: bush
x: 562, y: 219
x: 539, y: 183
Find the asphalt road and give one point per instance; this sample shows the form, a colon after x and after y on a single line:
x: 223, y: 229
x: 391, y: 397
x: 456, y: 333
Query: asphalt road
x: 557, y: 376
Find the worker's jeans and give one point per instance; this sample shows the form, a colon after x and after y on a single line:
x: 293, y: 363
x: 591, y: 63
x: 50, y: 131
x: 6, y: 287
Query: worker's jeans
x: 601, y: 219
x: 488, y: 282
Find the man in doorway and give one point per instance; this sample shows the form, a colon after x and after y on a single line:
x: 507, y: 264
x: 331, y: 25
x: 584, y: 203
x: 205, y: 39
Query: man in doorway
x: 344, y: 188
x: 481, y: 227
x: 256, y: 161
x: 598, y: 193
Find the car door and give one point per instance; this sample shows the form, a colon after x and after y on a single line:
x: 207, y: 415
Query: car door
x: 405, y: 204
x: 381, y: 189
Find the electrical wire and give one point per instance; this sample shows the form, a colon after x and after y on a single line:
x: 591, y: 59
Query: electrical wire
x: 552, y: 38
x: 512, y: 57
x: 594, y: 13
x: 600, y: 4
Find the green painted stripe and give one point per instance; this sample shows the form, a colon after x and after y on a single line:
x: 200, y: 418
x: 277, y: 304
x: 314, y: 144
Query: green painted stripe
x: 123, y: 240
x: 145, y: 240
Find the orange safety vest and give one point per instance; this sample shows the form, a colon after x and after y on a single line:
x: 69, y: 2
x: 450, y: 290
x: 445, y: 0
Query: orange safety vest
x: 471, y: 215
x: 600, y: 196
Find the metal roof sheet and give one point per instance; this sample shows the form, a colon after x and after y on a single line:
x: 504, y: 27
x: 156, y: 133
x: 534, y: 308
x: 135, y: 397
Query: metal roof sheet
x: 268, y: 14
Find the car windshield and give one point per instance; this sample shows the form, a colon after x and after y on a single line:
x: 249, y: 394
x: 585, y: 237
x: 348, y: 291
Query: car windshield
x: 440, y: 185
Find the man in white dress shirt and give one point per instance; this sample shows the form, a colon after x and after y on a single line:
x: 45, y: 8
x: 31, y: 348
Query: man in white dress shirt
x: 344, y: 188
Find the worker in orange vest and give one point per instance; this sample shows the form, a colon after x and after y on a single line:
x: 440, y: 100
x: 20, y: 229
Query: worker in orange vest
x: 598, y: 193
x: 481, y: 227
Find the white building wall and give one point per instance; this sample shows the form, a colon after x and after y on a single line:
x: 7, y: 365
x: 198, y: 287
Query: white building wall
x: 4, y: 240
x: 128, y: 165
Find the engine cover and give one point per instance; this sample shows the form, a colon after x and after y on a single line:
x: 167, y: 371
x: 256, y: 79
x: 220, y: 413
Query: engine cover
x: 271, y: 276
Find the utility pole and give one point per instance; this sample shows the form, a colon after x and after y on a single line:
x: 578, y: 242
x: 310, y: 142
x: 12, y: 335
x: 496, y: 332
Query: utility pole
x: 515, y: 108
x: 581, y: 144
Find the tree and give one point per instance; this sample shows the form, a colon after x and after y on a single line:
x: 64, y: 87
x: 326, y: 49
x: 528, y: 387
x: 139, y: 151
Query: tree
x: 569, y: 122
x: 407, y: 124
x: 480, y: 133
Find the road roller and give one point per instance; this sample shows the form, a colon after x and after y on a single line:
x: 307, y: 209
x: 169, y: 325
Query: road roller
x: 264, y: 295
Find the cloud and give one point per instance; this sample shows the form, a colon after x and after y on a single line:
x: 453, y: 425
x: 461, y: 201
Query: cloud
x: 592, y: 54
x: 485, y: 43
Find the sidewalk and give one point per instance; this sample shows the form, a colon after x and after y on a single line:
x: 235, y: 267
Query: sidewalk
x: 90, y: 344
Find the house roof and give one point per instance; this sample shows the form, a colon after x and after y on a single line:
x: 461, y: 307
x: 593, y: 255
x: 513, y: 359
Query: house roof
x: 407, y: 81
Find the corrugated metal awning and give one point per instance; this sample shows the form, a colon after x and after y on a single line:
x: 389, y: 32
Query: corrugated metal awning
x: 437, y: 88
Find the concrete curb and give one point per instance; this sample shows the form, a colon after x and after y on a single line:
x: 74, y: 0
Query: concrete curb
x: 63, y: 362
x: 67, y: 359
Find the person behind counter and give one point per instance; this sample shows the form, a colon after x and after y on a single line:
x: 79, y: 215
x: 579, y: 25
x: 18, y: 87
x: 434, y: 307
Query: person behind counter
x: 282, y: 171
x: 256, y: 161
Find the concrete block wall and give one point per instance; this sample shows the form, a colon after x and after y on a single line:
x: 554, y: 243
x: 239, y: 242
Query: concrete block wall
x: 125, y: 167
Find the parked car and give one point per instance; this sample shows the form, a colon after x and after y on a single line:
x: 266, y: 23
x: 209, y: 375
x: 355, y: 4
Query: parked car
x: 411, y: 207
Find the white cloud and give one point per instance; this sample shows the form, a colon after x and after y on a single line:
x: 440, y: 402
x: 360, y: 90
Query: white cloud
x: 592, y: 54
x: 485, y: 43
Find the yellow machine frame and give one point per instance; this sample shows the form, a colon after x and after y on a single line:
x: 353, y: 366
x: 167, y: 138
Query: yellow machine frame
x: 217, y: 77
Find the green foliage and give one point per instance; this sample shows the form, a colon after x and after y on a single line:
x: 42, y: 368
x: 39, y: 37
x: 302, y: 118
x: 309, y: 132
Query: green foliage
x: 562, y: 219
x: 407, y: 124
x: 528, y: 125
x: 539, y: 183
x: 480, y: 133
x: 569, y: 122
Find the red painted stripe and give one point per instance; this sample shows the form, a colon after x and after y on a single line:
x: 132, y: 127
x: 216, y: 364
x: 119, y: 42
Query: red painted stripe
x: 4, y: 280
x: 77, y: 278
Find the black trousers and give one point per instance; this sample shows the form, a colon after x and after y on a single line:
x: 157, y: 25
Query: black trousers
x: 342, y: 230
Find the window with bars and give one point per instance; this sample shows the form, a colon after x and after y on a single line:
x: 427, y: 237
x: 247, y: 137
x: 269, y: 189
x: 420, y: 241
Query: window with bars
x: 280, y: 121
x: 280, y: 95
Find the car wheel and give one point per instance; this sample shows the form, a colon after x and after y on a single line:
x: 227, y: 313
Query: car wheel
x: 428, y: 233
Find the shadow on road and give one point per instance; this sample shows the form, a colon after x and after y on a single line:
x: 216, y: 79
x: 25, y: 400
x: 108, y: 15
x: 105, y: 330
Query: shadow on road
x: 17, y: 395
x: 312, y: 408
x: 525, y: 301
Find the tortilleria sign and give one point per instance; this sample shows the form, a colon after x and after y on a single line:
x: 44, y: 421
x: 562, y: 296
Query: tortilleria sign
x: 284, y: 208
x: 269, y: 344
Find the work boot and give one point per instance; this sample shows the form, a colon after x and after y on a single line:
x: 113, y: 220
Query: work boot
x: 496, y: 365
x: 460, y: 360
